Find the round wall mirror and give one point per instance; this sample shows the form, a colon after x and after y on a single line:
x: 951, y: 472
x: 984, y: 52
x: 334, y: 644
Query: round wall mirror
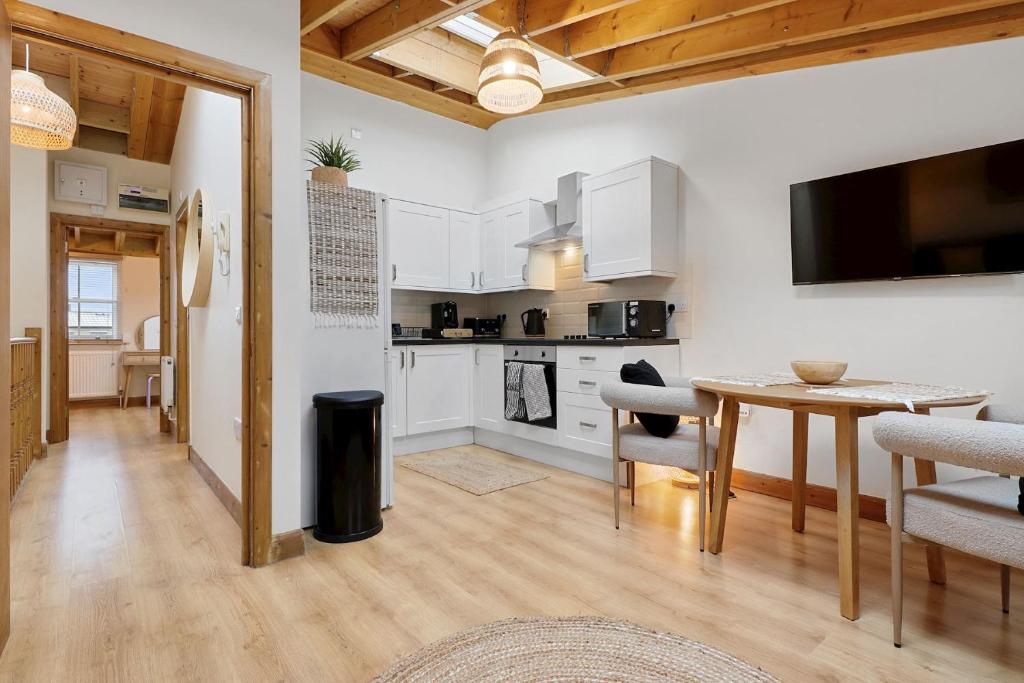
x: 197, y: 256
x: 147, y: 337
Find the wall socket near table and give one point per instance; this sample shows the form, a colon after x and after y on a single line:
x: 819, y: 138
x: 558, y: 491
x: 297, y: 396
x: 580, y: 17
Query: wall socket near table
x: 744, y: 411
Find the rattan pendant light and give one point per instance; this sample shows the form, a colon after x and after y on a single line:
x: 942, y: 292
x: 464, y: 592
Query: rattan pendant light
x: 39, y: 117
x: 509, y: 75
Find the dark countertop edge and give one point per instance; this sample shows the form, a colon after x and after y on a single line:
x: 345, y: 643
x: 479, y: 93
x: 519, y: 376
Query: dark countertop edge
x: 510, y: 341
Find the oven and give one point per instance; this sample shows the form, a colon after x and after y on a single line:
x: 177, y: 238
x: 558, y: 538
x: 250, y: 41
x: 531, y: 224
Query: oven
x: 514, y: 399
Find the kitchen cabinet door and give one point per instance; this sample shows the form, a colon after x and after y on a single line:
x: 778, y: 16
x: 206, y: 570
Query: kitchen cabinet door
x: 419, y: 246
x: 492, y: 251
x: 397, y: 359
x: 489, y: 386
x: 439, y: 388
x: 464, y: 250
x: 515, y: 227
x: 630, y: 221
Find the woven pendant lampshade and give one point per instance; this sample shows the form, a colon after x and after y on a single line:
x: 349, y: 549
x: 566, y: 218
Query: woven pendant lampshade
x: 509, y: 75
x: 39, y: 117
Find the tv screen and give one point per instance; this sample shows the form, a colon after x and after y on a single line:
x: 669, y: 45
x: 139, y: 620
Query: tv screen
x: 955, y: 214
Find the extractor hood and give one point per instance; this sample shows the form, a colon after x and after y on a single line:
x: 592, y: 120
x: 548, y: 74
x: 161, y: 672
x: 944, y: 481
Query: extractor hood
x: 568, y: 230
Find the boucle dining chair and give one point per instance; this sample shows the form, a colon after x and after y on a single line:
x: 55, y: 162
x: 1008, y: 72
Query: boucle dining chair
x: 977, y: 515
x: 692, y: 447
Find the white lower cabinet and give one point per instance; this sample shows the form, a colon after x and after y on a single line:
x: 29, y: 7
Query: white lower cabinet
x: 489, y: 386
x: 439, y: 388
x: 397, y: 358
x: 585, y: 423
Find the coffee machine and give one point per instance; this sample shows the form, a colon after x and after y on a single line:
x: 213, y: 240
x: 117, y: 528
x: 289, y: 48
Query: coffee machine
x: 444, y: 315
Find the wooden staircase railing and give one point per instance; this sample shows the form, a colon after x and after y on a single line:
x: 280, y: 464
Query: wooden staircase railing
x: 26, y: 404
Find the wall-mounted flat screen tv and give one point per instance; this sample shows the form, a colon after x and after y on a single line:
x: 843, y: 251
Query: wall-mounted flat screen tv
x: 955, y: 214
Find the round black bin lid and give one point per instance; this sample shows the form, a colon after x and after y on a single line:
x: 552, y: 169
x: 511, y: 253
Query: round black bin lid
x: 347, y: 400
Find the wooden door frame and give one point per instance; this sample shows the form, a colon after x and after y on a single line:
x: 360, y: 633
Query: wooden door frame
x: 5, y: 324
x: 181, y: 358
x: 58, y: 347
x: 253, y: 88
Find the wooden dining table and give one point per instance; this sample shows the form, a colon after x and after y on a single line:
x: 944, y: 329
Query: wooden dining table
x: 847, y: 412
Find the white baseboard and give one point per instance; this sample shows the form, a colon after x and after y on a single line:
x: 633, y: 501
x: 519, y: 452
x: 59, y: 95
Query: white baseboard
x: 430, y: 442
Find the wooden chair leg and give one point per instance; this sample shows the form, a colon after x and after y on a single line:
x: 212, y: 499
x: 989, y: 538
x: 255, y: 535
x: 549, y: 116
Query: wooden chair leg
x: 897, y: 549
x: 615, y: 462
x: 631, y: 481
x: 1004, y: 576
x: 711, y: 489
x: 702, y: 473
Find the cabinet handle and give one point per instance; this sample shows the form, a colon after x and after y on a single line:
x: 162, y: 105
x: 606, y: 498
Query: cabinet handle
x: 394, y: 272
x: 524, y: 272
x: 586, y: 263
x: 476, y: 356
x: 588, y: 425
x: 413, y: 359
x: 587, y: 383
x: 586, y: 358
x: 472, y: 279
x: 401, y: 360
x: 481, y: 278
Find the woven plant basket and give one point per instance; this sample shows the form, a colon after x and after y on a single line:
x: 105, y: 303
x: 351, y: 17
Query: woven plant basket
x: 330, y: 174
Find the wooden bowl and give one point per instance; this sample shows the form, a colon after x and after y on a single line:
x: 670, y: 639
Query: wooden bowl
x: 818, y: 371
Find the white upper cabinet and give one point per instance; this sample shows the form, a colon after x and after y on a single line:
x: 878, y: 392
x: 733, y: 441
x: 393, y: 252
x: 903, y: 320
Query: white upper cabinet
x: 505, y: 266
x: 418, y: 244
x: 464, y: 250
x: 631, y: 221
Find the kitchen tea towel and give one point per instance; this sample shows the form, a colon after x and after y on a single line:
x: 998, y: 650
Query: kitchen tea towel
x: 515, y: 408
x: 343, y: 257
x: 535, y: 392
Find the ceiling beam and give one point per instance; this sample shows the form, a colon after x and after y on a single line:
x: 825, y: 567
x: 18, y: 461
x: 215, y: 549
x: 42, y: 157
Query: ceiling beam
x: 397, y: 21
x: 103, y: 116
x: 963, y: 29
x: 75, y: 77
x: 164, y: 115
x: 138, y: 128
x: 317, y: 12
x: 799, y: 22
x: 547, y: 15
x: 438, y: 55
x: 646, y: 20
x: 379, y: 83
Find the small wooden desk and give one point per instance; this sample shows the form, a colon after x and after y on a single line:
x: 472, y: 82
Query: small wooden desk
x: 131, y: 360
x: 847, y: 412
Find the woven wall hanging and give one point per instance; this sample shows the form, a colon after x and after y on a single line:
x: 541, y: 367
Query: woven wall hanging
x: 344, y: 274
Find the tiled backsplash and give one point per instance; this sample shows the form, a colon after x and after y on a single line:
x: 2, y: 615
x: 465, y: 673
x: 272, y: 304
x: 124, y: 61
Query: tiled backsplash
x: 567, y: 305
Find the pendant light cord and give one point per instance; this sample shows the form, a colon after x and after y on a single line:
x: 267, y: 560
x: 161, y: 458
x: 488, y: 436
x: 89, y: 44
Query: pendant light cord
x: 26, y: 55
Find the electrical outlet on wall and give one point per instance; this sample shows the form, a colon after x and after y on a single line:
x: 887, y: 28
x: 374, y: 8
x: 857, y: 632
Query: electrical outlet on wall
x: 238, y: 428
x: 744, y: 410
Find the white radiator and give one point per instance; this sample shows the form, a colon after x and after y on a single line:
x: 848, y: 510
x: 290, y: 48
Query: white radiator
x: 92, y: 374
x: 167, y: 383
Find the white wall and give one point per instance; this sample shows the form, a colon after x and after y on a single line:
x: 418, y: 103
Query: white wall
x: 208, y: 155
x: 263, y: 35
x: 406, y: 153
x: 740, y: 144
x: 30, y: 257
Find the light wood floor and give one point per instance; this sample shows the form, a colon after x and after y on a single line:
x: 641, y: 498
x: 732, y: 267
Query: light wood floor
x: 125, y: 568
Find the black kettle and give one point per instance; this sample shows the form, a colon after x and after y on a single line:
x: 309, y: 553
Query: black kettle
x: 533, y: 322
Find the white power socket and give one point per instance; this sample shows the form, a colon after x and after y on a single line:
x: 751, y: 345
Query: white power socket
x: 238, y: 428
x: 744, y: 410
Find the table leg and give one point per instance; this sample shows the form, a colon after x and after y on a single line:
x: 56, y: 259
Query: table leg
x: 799, y: 469
x: 723, y: 471
x: 848, y: 512
x: 127, y: 384
x: 925, y: 470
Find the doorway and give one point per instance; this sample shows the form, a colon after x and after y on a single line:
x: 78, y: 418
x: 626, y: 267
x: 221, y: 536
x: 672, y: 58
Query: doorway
x: 154, y: 60
x: 90, y: 262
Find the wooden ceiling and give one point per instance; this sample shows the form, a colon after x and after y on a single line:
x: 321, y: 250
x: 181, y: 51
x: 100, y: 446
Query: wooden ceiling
x: 394, y: 48
x: 119, y: 110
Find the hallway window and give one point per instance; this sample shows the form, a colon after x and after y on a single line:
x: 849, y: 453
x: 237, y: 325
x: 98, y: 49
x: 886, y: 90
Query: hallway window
x: 93, y: 299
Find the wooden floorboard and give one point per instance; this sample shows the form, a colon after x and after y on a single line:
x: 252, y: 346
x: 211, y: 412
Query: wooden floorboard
x: 125, y: 567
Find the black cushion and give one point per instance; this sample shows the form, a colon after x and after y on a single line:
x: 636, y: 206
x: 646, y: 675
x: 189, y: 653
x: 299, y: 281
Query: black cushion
x: 643, y: 372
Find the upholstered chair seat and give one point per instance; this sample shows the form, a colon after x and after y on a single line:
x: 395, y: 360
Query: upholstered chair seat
x: 681, y: 450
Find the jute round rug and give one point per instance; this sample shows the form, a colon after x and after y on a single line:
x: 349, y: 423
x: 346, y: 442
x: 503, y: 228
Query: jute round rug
x: 590, y: 649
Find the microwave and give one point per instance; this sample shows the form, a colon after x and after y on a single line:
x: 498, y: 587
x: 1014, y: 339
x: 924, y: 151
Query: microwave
x: 626, y: 319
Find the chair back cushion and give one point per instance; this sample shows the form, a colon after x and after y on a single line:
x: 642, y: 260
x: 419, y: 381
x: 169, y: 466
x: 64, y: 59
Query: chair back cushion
x: 643, y: 372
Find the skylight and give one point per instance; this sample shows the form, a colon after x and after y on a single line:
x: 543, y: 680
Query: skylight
x: 553, y: 72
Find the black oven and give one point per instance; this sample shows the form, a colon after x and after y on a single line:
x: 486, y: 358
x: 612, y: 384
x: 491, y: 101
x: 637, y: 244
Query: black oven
x: 514, y: 389
x: 640, y: 318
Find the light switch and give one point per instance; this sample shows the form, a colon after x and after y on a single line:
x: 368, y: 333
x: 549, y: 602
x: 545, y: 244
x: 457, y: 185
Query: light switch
x: 357, y: 133
x: 238, y: 428
x: 238, y: 314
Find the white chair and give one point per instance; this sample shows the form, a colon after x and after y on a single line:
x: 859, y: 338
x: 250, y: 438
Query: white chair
x: 977, y: 515
x: 693, y: 448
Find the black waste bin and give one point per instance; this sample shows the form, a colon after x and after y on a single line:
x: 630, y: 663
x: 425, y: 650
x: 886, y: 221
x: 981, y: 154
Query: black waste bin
x: 348, y: 473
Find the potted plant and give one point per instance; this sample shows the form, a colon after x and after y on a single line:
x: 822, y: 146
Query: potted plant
x: 333, y: 160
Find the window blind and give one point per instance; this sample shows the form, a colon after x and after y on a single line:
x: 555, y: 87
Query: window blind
x: 93, y: 299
